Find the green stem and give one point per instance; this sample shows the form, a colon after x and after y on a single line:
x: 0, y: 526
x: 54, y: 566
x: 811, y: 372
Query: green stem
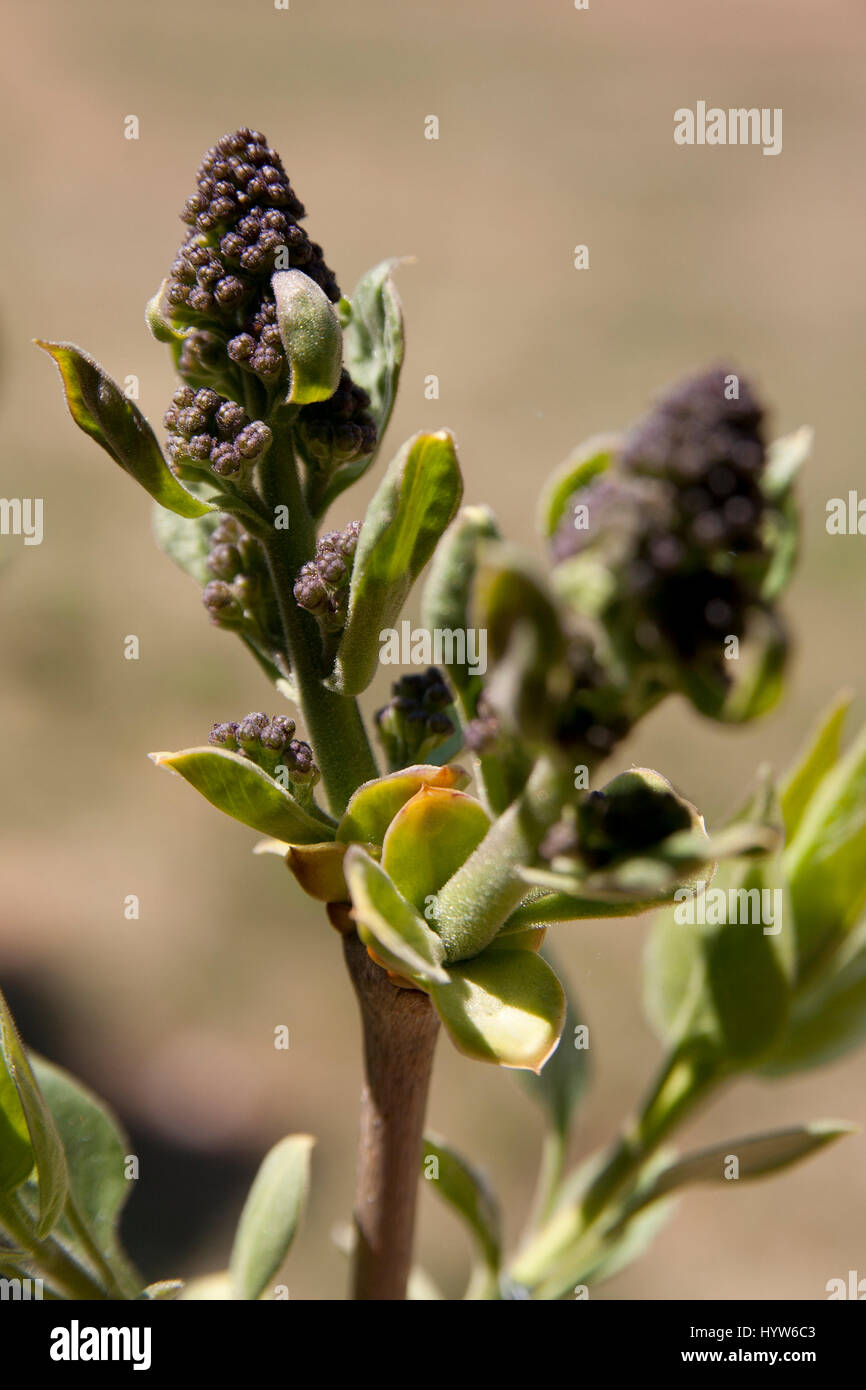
x: 550, y: 1173
x: 54, y: 1262
x: 686, y: 1077
x: 557, y: 1255
x: 474, y: 903
x: 118, y: 1284
x: 333, y: 722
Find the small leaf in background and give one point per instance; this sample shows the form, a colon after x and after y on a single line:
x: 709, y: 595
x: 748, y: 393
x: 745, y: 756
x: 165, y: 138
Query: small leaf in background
x: 719, y: 965
x: 756, y: 1156
x: 828, y: 1019
x: 529, y: 679
x: 584, y: 464
x: 16, y: 1150
x: 816, y: 762
x: 373, y: 356
x: 46, y: 1149
x: 243, y: 791
x: 785, y: 458
x: 553, y: 907
x: 446, y: 605
x: 562, y: 1081
x: 373, y: 340
x: 465, y: 1189
x: 375, y: 804
x: 782, y: 523
x: 96, y: 1150
x: 412, y: 507
x: 503, y: 1006
x: 617, y: 1252
x: 99, y: 407
x: 825, y: 860
x: 448, y: 590
x: 388, y: 924
x: 429, y: 838
x: 271, y: 1215
x: 186, y: 541
x: 311, y: 336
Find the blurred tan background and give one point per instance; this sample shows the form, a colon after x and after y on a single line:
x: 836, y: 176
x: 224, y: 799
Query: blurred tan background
x: 555, y: 129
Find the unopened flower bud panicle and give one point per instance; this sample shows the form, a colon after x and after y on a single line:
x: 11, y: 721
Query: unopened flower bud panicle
x: 415, y: 722
x: 269, y: 742
x: 210, y: 434
x: 243, y: 221
x: 241, y: 595
x: 223, y: 605
x: 322, y: 585
x: 337, y: 430
x: 679, y: 519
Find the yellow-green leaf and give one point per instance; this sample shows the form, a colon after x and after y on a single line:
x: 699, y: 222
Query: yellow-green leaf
x: 271, y: 1216
x: 243, y: 791
x: 412, y: 507
x: 502, y: 1006
x: 429, y: 838
x: 388, y: 924
x: 99, y: 407
x: 45, y: 1146
x: 311, y: 336
x: 375, y: 804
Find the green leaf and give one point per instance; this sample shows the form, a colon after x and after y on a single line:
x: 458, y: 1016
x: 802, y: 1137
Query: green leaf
x: 565, y: 907
x: 728, y: 982
x: 243, y: 791
x: 757, y: 1155
x: 412, y: 507
x: 429, y: 838
x: 782, y: 517
x: 829, y: 1019
x: 447, y: 606
x: 562, y: 1081
x: 375, y: 804
x: 816, y: 762
x: 594, y: 1265
x: 447, y: 597
x: 526, y: 642
x: 311, y: 336
x: 99, y: 407
x: 373, y: 356
x: 16, y: 1150
x: 465, y: 1189
x: 824, y: 862
x: 725, y: 982
x: 373, y: 340
x: 583, y: 464
x: 388, y: 924
x: 157, y: 316
x: 502, y: 1006
x: 271, y: 1216
x: 96, y: 1150
x: 45, y: 1148
x: 785, y: 458
x: 186, y: 540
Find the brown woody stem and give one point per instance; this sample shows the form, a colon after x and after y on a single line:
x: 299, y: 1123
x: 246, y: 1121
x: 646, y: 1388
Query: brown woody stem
x: 400, y: 1028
